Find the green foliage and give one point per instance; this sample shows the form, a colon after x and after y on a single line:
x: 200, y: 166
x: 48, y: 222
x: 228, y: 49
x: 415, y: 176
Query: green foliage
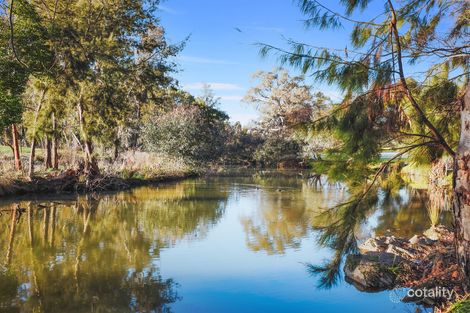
x: 460, y: 306
x: 384, y: 106
x: 194, y: 132
x: 241, y: 145
x: 22, y: 52
x: 277, y: 149
x: 287, y: 105
x: 89, y: 71
x: 10, y: 111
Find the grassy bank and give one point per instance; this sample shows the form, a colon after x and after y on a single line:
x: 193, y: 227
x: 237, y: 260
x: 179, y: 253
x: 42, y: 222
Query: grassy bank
x: 129, y: 170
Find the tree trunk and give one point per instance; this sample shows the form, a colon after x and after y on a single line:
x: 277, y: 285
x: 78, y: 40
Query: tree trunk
x: 55, y: 144
x: 48, y: 154
x: 462, y: 192
x: 16, y: 147
x: 91, y: 166
x: 116, y: 149
x: 32, y: 155
x: 55, y: 154
x: 134, y: 138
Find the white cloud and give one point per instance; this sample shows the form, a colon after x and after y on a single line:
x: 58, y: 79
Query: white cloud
x: 213, y: 86
x: 193, y: 59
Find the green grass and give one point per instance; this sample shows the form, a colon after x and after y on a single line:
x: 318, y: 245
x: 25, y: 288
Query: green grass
x: 462, y: 306
x: 5, y: 150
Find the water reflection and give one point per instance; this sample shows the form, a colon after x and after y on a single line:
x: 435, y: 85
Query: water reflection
x: 390, y: 206
x: 97, y: 254
x: 102, y: 253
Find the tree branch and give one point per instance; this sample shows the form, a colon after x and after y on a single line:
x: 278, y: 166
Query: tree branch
x: 408, y: 93
x: 12, y: 35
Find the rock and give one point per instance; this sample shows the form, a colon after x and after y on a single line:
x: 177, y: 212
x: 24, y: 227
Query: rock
x: 432, y: 233
x: 402, y: 251
x: 373, y: 245
x: 439, y: 232
x: 421, y: 240
x: 392, y: 245
x: 388, y: 262
x: 372, y: 272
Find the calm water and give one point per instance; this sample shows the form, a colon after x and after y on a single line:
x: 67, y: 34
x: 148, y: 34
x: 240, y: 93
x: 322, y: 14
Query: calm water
x: 238, y: 244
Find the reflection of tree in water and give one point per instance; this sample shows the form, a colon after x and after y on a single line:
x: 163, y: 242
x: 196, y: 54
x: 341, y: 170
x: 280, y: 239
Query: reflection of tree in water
x: 95, y: 255
x: 402, y: 212
x: 284, y: 210
x: 182, y: 211
x: 279, y: 221
x: 336, y: 230
x: 405, y: 214
x: 280, y: 224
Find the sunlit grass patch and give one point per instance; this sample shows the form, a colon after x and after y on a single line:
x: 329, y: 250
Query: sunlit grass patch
x: 461, y: 306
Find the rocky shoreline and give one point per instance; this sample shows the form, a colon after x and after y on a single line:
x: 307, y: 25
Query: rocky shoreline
x: 423, y: 262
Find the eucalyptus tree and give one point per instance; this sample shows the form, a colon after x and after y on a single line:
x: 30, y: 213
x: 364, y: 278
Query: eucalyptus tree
x: 149, y: 86
x: 105, y: 54
x: 23, y: 50
x: 285, y: 103
x: 388, y: 100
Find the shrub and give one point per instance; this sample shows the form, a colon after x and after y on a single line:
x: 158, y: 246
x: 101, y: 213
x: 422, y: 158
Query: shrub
x: 192, y: 132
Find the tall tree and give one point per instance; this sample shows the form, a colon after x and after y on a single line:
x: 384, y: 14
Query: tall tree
x: 23, y: 51
x: 386, y: 102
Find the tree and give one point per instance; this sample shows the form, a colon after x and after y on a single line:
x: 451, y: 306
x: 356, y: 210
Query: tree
x: 102, y: 55
x: 286, y: 104
x: 196, y: 131
x: 23, y: 51
x: 385, y: 104
x: 241, y: 145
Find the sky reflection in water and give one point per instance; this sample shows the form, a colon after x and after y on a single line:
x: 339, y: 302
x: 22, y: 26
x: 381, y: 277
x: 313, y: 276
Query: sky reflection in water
x: 205, y: 245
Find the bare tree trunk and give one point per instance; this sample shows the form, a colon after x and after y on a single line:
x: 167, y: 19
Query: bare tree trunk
x: 32, y: 155
x: 462, y: 192
x: 16, y: 147
x: 48, y: 154
x: 116, y: 149
x: 55, y: 144
x: 91, y: 166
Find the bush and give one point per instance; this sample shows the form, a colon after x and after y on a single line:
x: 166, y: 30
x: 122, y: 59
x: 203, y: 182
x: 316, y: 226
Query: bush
x: 192, y: 132
x: 278, y: 149
x: 241, y: 145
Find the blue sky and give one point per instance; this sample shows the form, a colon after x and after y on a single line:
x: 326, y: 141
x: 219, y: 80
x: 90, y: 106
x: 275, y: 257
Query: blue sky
x: 219, y: 54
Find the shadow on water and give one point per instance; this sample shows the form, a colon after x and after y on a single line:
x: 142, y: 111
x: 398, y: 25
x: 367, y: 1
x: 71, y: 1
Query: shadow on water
x: 99, y: 254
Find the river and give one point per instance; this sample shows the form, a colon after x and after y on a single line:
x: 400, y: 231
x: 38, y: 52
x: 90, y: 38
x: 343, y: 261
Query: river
x: 243, y: 243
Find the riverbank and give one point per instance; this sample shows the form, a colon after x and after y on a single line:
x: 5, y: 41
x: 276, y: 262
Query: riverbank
x: 425, y: 266
x: 70, y: 181
x: 131, y: 169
